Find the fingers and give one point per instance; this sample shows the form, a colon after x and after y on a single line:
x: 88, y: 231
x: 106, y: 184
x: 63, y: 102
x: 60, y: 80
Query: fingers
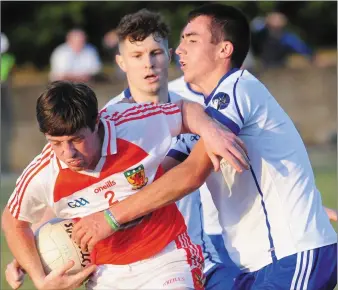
x: 84, y: 242
x: 63, y: 269
x: 233, y: 161
x: 241, y: 144
x: 78, y: 278
x: 14, y: 275
x: 77, y: 236
x: 240, y: 155
x: 91, y: 244
x: 214, y: 160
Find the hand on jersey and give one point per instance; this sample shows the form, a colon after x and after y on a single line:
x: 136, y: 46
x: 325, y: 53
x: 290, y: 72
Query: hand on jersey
x: 14, y: 274
x: 220, y: 141
x: 91, y: 229
x: 60, y: 280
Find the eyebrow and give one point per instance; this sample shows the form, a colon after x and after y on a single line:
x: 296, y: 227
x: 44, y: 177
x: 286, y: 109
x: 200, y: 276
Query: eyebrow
x: 189, y: 34
x: 71, y: 139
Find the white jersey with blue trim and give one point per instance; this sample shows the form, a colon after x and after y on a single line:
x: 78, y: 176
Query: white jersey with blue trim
x: 274, y: 209
x: 210, y: 213
x: 189, y: 206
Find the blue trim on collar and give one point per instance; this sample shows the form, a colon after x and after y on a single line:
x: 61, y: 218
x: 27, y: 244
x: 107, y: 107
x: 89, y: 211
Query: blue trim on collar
x: 127, y: 94
x: 230, y: 72
x: 193, y: 91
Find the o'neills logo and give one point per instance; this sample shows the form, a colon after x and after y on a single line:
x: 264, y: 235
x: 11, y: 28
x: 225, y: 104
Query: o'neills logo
x: 107, y: 185
x: 173, y: 280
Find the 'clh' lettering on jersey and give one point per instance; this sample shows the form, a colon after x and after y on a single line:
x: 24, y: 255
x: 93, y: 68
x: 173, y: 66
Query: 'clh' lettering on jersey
x: 137, y: 138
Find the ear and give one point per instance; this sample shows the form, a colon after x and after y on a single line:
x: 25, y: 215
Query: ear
x: 120, y: 62
x: 226, y: 49
x: 170, y: 54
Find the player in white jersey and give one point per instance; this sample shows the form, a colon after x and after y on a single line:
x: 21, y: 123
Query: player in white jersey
x: 274, y: 225
x: 181, y: 151
x: 102, y: 160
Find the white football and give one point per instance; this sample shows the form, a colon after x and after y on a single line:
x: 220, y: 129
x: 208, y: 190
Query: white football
x: 56, y: 248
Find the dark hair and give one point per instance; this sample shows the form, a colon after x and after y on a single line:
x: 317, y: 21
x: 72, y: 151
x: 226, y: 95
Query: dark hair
x: 65, y: 107
x: 138, y: 26
x: 227, y: 24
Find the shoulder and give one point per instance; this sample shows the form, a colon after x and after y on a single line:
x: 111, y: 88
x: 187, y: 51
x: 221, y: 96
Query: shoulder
x: 114, y: 100
x: 39, y: 169
x: 89, y: 48
x: 176, y: 83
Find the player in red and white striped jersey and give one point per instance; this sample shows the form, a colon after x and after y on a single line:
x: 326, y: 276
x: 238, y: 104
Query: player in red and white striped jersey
x: 93, y: 161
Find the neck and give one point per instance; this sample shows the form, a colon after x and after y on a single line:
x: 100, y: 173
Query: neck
x: 160, y: 96
x: 210, y: 80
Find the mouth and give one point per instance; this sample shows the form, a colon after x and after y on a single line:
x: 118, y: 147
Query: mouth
x: 151, y: 78
x: 74, y: 163
x: 183, y: 64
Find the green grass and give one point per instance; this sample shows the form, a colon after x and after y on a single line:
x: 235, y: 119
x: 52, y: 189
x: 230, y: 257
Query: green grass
x: 326, y: 178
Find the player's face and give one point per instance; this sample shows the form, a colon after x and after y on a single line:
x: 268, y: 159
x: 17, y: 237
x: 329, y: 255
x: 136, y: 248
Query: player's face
x: 198, y: 56
x: 79, y: 151
x: 145, y: 64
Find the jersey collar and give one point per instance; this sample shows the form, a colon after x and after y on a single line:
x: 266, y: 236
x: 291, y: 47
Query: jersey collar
x: 230, y: 72
x: 127, y: 95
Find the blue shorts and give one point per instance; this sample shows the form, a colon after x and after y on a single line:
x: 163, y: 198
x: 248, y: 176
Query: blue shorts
x: 220, y: 277
x: 309, y: 270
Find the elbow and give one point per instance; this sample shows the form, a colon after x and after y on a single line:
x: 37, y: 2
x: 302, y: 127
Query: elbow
x: 5, y: 222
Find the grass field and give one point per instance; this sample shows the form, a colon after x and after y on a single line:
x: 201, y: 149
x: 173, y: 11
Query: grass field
x: 326, y: 178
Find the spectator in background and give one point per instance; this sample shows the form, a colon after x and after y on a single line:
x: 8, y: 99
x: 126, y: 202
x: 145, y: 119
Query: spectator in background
x: 110, y: 44
x: 272, y: 43
x: 7, y: 65
x: 75, y: 60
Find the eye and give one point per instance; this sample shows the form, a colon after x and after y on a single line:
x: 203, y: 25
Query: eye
x: 192, y: 41
x: 137, y: 56
x: 77, y: 140
x: 55, y: 143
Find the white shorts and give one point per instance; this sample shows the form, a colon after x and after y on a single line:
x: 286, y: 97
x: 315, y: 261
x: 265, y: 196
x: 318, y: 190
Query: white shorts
x: 179, y: 265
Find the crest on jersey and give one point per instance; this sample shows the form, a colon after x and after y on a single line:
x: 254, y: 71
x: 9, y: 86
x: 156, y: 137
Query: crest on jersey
x: 221, y: 101
x: 136, y: 177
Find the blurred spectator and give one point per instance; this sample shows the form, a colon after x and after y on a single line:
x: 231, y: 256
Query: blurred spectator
x: 111, y: 45
x: 7, y: 65
x: 272, y: 43
x: 75, y: 60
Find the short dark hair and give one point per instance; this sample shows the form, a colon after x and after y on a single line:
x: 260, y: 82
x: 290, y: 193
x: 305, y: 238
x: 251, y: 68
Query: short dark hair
x: 227, y: 24
x: 65, y: 107
x: 138, y: 26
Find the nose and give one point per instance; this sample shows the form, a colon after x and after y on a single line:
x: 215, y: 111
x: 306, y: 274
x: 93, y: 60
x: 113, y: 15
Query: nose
x: 180, y: 49
x: 149, y: 61
x: 69, y: 150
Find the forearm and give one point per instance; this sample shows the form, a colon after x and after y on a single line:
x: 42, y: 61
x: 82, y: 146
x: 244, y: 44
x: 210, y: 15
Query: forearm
x: 20, y: 240
x: 195, y: 120
x: 172, y: 186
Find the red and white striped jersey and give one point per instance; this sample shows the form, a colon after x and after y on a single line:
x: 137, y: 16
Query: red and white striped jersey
x: 137, y: 138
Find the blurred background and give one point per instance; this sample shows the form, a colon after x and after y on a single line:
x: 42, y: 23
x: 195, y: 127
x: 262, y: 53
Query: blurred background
x: 294, y: 52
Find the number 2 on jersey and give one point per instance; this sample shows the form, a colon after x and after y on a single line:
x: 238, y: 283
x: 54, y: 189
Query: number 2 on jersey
x: 110, y: 194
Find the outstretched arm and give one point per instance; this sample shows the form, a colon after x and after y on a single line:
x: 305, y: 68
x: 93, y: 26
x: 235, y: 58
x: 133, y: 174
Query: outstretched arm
x: 218, y: 139
x: 172, y: 186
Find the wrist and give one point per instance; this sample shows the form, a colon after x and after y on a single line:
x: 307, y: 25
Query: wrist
x: 111, y: 220
x: 39, y: 281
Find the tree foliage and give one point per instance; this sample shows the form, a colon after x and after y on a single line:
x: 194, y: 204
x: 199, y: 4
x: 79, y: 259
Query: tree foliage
x: 36, y: 28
